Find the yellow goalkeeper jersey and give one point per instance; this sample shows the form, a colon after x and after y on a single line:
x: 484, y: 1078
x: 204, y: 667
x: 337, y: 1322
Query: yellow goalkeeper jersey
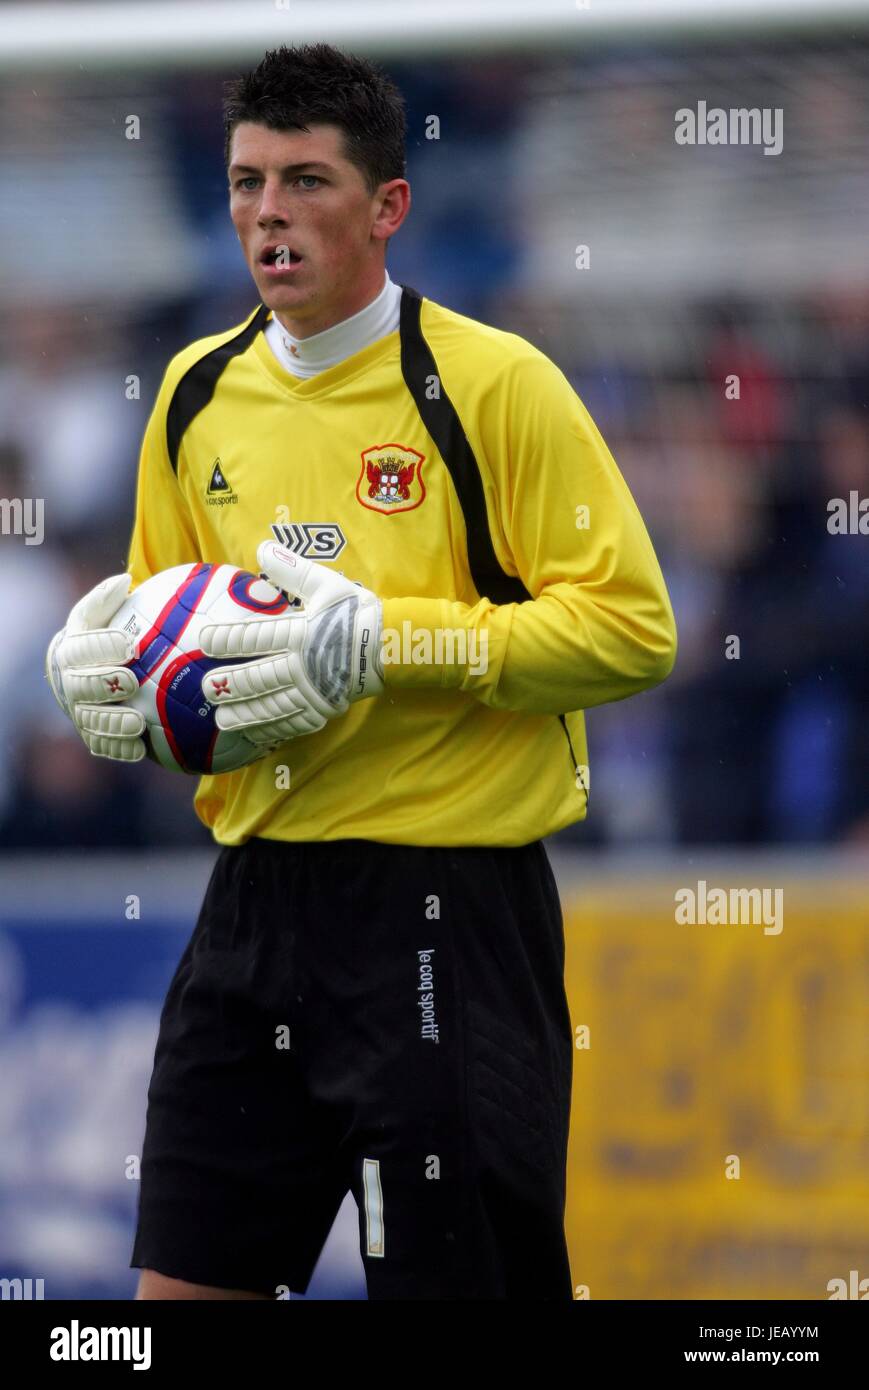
x: 451, y: 468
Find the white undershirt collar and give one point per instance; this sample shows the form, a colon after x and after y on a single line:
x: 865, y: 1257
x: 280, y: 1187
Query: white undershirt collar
x: 306, y: 357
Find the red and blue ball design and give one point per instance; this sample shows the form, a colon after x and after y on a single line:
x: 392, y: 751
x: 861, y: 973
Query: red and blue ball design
x: 165, y: 616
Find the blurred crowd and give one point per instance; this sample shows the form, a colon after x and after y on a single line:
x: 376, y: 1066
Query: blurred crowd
x: 756, y: 738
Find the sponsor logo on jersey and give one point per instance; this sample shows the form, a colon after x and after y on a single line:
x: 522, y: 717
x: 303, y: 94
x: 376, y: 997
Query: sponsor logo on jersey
x: 312, y: 540
x: 219, y: 492
x: 391, y: 478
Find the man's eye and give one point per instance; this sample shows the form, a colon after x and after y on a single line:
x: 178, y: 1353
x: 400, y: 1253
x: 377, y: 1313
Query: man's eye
x: 249, y: 178
x: 313, y: 177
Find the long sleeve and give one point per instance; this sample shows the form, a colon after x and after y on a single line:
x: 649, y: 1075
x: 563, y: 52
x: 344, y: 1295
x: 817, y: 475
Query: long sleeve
x: 599, y: 626
x: 163, y: 532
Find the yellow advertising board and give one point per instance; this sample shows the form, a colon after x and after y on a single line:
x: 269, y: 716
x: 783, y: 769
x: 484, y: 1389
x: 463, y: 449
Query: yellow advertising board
x: 720, y: 1120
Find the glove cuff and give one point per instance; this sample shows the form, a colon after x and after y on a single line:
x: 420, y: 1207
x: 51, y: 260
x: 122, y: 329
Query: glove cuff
x: 53, y: 675
x: 367, y: 666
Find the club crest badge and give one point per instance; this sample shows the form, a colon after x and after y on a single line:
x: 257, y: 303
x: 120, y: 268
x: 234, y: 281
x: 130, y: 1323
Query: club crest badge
x: 391, y: 478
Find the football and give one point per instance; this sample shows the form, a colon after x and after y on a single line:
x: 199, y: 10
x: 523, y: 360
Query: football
x: 165, y: 616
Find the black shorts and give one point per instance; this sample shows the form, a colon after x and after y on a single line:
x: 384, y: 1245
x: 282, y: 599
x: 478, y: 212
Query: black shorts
x: 386, y: 1019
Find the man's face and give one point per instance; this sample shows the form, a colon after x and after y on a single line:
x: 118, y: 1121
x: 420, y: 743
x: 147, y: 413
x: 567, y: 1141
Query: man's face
x: 312, y: 234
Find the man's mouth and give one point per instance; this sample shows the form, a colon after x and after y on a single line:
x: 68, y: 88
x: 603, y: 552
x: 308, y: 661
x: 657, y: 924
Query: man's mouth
x: 279, y: 256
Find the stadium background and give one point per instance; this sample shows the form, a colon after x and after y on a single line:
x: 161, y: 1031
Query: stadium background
x: 705, y: 262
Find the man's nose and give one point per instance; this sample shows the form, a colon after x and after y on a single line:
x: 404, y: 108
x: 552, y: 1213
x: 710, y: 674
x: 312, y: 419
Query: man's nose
x: 274, y: 204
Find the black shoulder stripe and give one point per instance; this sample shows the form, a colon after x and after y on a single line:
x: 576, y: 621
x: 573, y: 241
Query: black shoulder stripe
x: 197, y: 386
x: 443, y: 424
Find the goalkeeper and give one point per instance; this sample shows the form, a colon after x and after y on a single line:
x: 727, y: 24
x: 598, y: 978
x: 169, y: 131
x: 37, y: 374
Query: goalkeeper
x: 372, y: 998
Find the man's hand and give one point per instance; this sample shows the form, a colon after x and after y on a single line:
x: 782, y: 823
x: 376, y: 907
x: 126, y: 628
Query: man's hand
x: 85, y: 669
x: 315, y: 662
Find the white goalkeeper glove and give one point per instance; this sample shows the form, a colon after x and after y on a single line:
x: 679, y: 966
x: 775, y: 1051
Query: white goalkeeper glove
x: 312, y: 663
x: 85, y: 669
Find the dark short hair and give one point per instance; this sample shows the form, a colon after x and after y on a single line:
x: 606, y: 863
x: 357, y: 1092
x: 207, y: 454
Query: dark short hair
x: 316, y: 84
